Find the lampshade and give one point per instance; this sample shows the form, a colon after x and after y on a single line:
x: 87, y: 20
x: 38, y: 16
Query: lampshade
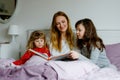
x: 13, y: 30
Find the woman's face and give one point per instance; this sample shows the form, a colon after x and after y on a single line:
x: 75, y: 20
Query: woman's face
x: 61, y: 23
x: 39, y: 43
x: 80, y: 31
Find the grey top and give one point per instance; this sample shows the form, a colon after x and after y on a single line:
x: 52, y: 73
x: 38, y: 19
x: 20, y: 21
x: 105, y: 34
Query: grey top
x: 98, y: 57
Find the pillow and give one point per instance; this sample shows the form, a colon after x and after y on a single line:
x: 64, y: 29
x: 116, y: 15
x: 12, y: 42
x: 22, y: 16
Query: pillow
x: 113, y: 53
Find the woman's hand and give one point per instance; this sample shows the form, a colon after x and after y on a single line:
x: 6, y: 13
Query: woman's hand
x: 74, y: 55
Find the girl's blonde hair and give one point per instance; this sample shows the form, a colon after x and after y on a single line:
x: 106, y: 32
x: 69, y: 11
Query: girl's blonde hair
x: 35, y: 35
x: 55, y: 33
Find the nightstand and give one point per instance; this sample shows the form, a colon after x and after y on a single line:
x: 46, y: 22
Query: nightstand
x: 9, y: 50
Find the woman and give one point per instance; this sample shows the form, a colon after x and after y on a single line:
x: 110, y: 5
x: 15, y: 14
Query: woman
x: 62, y: 38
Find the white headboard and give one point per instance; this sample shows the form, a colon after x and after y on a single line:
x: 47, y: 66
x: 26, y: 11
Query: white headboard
x: 108, y: 36
x: 46, y: 32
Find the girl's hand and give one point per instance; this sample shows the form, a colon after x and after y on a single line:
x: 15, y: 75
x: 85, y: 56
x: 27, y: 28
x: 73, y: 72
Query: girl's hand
x: 74, y: 55
x: 49, y: 58
x: 45, y: 54
x: 12, y: 66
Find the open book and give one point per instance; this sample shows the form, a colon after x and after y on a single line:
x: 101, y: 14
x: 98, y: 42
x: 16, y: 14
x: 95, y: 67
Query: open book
x: 58, y: 57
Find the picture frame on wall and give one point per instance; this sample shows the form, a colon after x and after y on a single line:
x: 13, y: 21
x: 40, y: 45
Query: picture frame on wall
x: 7, y: 8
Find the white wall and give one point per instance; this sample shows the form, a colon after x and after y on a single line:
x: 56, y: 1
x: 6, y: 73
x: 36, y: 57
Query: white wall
x: 34, y: 14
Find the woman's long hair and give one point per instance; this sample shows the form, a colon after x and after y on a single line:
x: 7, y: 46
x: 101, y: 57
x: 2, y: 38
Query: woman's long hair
x: 55, y: 33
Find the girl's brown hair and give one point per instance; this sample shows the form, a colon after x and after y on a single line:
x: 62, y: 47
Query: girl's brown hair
x: 55, y: 33
x: 35, y: 35
x: 90, y: 37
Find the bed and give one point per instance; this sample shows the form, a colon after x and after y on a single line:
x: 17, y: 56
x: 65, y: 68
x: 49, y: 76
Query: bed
x: 73, y: 70
x: 110, y: 37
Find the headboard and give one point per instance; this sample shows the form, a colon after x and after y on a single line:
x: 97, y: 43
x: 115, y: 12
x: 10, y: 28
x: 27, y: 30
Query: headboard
x: 46, y: 32
x: 108, y: 36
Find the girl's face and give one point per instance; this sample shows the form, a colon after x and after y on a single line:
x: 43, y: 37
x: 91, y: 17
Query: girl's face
x: 80, y: 31
x: 61, y: 23
x: 39, y: 43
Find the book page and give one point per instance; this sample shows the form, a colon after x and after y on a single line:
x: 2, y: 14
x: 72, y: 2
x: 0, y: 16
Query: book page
x: 58, y: 57
x: 39, y: 54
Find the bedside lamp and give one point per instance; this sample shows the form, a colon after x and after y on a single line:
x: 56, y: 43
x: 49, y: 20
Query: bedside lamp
x: 13, y: 31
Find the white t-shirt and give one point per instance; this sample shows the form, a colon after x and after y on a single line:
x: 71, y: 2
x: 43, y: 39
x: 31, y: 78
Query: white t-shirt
x: 65, y: 49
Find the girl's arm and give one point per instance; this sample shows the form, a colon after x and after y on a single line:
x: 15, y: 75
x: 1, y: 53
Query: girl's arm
x: 24, y: 58
x: 48, y: 53
x: 93, y: 58
x: 95, y: 52
x: 78, y: 55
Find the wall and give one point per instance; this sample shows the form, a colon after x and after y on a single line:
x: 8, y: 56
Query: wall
x: 34, y: 14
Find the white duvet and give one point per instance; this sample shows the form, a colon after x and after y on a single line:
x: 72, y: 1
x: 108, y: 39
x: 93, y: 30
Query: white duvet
x: 76, y: 70
x: 83, y: 70
x: 105, y: 74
